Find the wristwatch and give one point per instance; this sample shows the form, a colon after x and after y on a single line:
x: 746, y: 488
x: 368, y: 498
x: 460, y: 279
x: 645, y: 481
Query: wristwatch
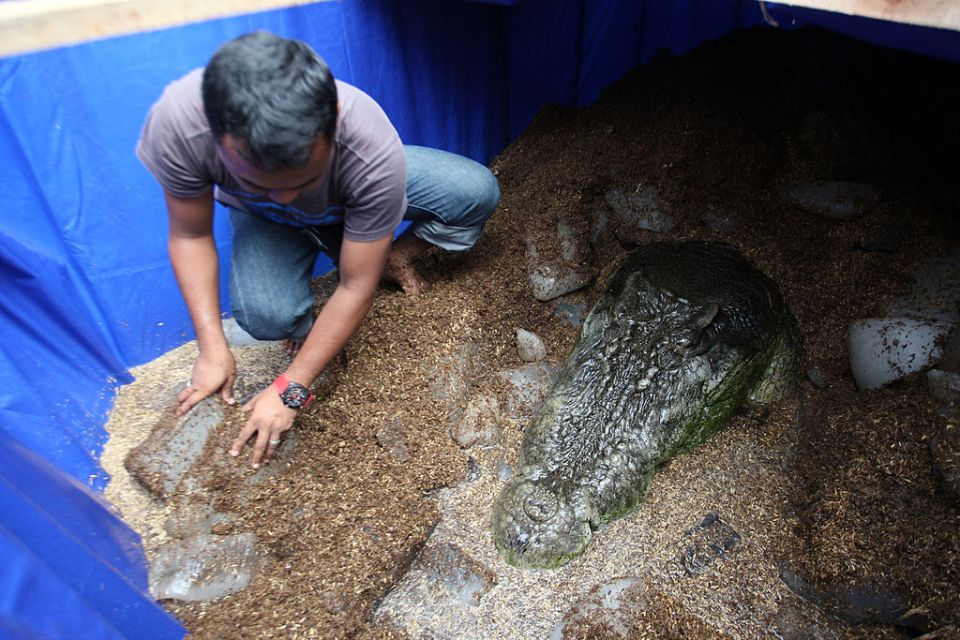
x: 294, y: 395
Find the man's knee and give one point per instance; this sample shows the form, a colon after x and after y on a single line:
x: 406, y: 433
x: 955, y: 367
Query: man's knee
x: 486, y: 196
x: 271, y: 322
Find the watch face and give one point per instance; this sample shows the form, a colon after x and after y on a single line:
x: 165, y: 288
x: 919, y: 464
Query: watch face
x: 295, y: 396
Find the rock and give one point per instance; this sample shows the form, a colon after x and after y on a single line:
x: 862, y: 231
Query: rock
x: 945, y: 450
x: 815, y: 376
x: 794, y: 622
x: 549, y: 282
x: 602, y: 608
x: 530, y: 384
x: 571, y: 314
x: 712, y: 539
x: 204, y: 568
x: 530, y: 347
x: 936, y: 297
x: 719, y: 222
x: 883, y: 350
x: 441, y: 588
x: 391, y: 437
x: 161, y: 461
x: 454, y: 378
x: 479, y: 424
x: 639, y: 209
x: 944, y: 385
x: 474, y: 469
x: 831, y: 199
x: 554, y: 276
x: 855, y: 605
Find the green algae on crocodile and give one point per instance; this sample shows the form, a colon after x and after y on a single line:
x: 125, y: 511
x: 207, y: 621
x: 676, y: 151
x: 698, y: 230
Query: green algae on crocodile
x: 682, y: 335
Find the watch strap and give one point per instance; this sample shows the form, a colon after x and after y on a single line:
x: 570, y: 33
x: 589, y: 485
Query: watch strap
x: 282, y: 384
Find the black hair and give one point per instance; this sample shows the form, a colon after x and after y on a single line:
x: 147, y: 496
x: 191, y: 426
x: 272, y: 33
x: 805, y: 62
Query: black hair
x: 274, y: 95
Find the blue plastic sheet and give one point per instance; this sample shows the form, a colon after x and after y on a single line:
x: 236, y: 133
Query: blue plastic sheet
x: 88, y: 291
x: 70, y: 568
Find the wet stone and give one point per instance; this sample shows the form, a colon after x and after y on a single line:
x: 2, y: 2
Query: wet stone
x: 174, y: 445
x: 479, y: 424
x: 474, y: 469
x: 204, y: 567
x: 552, y: 276
x: 638, y: 209
x: 549, y: 281
x: 944, y: 385
x: 604, y: 607
x: 815, y: 376
x: 945, y: 451
x: 831, y: 199
x: 391, y: 437
x: 454, y: 379
x: 442, y: 587
x: 530, y: 347
x: 530, y: 385
x: 719, y: 222
x: 571, y: 314
x: 711, y: 540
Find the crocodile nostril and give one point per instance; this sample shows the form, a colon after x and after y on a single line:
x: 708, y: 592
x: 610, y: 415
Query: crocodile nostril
x: 541, y: 504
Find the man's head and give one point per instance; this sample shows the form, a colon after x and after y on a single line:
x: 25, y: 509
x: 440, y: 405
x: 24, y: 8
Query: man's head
x: 271, y: 98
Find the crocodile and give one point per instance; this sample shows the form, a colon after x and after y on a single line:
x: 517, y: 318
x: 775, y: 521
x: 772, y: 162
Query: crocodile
x: 682, y: 335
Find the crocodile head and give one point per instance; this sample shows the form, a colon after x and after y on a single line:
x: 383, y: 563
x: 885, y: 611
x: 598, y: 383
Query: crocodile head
x: 535, y: 527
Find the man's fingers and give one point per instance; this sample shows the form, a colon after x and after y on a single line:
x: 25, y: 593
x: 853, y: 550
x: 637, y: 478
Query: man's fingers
x: 226, y: 393
x: 248, y: 430
x: 188, y: 400
x: 259, y: 448
x: 272, y: 445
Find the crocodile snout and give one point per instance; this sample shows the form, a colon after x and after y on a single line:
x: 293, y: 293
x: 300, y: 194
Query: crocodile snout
x: 534, y: 527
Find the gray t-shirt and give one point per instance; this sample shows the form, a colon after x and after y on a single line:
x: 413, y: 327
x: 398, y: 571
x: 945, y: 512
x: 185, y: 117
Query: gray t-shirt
x: 366, y: 187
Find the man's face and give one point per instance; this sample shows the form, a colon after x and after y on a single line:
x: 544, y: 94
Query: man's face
x: 283, y: 186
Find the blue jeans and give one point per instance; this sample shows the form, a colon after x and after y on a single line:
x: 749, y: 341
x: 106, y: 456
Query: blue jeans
x: 450, y: 198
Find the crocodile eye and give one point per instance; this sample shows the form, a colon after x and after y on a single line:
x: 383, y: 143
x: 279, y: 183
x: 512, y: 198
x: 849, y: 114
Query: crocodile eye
x: 689, y: 343
x: 541, y: 504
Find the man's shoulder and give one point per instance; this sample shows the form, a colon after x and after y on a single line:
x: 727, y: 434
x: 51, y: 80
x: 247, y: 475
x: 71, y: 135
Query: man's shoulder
x: 175, y: 143
x: 182, y: 103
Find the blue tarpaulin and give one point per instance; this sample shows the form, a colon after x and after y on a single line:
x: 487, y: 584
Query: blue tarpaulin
x: 88, y: 291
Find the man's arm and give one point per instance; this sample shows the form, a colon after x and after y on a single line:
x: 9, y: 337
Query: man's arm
x: 361, y: 266
x: 194, y: 257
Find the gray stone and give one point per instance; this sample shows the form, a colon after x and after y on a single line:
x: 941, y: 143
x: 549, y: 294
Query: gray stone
x: 479, y: 423
x: 530, y: 347
x: 944, y: 385
x: 529, y: 386
x: 945, y: 450
x: 203, y: 568
x: 571, y: 314
x: 830, y: 198
x: 552, y: 276
x: 549, y: 282
x: 161, y: 461
x: 883, y: 350
x: 815, y: 376
x: 454, y: 379
x: 639, y: 209
x: 391, y: 437
x: 442, y: 586
x: 719, y: 222
x: 604, y: 607
x: 712, y: 539
x: 935, y: 297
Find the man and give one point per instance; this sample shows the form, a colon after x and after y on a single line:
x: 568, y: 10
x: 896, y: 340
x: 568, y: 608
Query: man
x: 304, y: 163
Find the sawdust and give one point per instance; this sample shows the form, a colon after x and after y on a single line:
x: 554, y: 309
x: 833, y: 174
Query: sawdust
x: 835, y: 483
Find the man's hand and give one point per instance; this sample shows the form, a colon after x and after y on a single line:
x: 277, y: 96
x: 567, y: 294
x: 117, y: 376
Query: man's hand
x: 269, y: 419
x: 211, y: 373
